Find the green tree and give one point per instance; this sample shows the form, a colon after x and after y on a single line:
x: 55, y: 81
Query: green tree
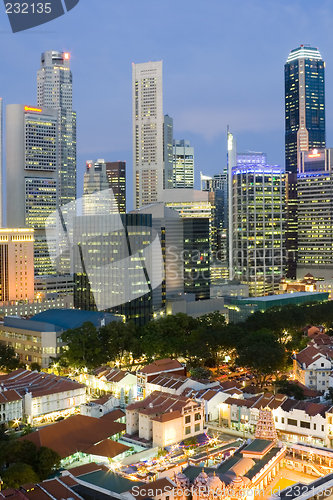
x: 84, y: 347
x: 18, y: 474
x: 47, y: 461
x: 121, y: 342
x: 200, y: 372
x: 35, y: 367
x: 8, y: 358
x: 261, y: 353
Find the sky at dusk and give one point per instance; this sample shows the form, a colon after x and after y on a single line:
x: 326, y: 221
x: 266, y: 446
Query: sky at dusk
x: 222, y: 64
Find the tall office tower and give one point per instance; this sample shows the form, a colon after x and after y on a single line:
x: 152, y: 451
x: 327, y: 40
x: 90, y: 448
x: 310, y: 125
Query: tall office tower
x: 258, y: 252
x: 32, y: 173
x: 315, y: 214
x: 183, y: 164
x: 196, y: 208
x: 16, y: 264
x: 169, y: 226
x: 149, y: 177
x: 304, y: 129
x: 231, y: 162
x: 168, y: 152
x: 1, y: 173
x: 218, y: 184
x: 116, y: 173
x: 94, y: 181
x: 54, y: 90
x: 252, y: 158
x: 119, y: 244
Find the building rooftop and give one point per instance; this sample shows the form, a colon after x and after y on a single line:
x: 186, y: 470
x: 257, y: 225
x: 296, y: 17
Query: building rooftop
x: 110, y: 481
x: 162, y: 365
x: 76, y: 433
x: 73, y: 318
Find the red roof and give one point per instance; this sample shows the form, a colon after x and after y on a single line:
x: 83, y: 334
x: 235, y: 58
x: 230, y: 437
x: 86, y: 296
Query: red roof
x: 81, y: 470
x: 76, y: 433
x: 9, y: 396
x: 162, y: 365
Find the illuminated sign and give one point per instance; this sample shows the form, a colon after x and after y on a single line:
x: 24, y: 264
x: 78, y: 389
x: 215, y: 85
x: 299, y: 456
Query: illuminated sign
x: 314, y: 154
x: 66, y: 55
x: 36, y: 110
x: 230, y: 141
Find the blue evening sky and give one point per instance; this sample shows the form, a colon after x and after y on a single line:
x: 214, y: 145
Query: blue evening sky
x: 222, y: 64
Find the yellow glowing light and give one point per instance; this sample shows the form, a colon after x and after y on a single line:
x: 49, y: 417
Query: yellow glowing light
x: 36, y: 110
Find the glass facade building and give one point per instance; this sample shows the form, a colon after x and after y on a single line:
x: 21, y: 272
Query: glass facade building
x: 304, y: 129
x: 110, y: 264
x: 197, y: 257
x: 116, y: 173
x: 258, y: 243
x: 183, y: 164
x: 315, y: 214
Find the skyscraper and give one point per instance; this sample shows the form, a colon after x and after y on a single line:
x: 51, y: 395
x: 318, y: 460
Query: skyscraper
x: 258, y: 252
x: 32, y: 173
x: 94, y: 181
x: 54, y: 90
x: 149, y: 134
x: 116, y: 173
x: 315, y: 214
x: 304, y: 129
x: 183, y: 164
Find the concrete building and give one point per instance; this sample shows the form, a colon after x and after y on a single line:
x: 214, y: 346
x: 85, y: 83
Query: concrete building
x: 252, y: 158
x: 38, y: 339
x: 148, y: 133
x: 53, y: 287
x: 11, y: 404
x: 16, y: 264
x: 55, y: 91
x: 258, y: 245
x: 106, y: 380
x: 32, y: 168
x: 165, y: 366
x: 240, y: 309
x: 116, y: 173
x: 315, y: 214
x: 165, y: 419
x: 183, y: 164
x: 312, y: 367
x: 44, y: 395
x: 168, y: 152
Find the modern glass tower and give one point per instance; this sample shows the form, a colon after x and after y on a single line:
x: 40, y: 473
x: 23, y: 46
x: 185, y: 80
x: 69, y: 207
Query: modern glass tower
x: 258, y: 252
x: 304, y: 129
x: 54, y: 90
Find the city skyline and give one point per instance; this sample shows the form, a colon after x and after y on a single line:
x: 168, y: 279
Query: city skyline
x: 201, y: 107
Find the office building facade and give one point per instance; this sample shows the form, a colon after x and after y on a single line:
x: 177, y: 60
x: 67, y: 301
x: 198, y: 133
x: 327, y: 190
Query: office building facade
x: 183, y: 164
x: 110, y: 265
x: 258, y: 252
x: 152, y: 135
x: 304, y: 129
x: 116, y: 174
x: 95, y: 180
x: 16, y: 265
x: 315, y: 214
x: 55, y: 91
x: 196, y: 210
x: 32, y: 173
x: 1, y: 157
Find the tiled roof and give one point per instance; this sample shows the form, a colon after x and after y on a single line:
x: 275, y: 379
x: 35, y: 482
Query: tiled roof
x: 38, y: 384
x: 166, y: 417
x: 85, y: 469
x: 58, y: 490
x: 76, y: 433
x: 310, y: 354
x: 248, y: 403
x: 161, y: 365
x: 107, y: 448
x: 113, y: 415
x: 111, y: 374
x: 168, y: 380
x: 9, y: 396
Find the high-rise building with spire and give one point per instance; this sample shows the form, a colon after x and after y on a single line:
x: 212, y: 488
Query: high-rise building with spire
x: 304, y: 129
